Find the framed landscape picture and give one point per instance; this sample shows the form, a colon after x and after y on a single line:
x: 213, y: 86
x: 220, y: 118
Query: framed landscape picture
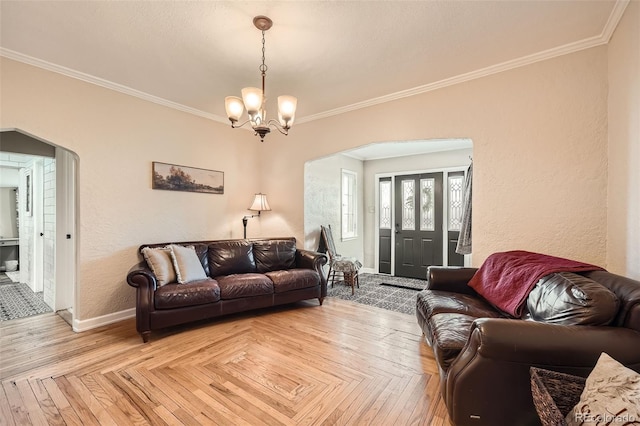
x: 181, y: 178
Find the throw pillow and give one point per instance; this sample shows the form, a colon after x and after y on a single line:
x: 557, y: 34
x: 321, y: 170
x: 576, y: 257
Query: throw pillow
x: 570, y: 299
x: 611, y: 395
x: 187, y: 265
x: 160, y: 263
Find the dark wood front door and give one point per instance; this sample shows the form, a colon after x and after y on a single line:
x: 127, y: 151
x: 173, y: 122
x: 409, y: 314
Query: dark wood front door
x: 418, y: 224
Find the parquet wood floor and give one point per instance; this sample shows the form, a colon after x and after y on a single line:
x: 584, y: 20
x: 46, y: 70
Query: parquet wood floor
x: 338, y: 364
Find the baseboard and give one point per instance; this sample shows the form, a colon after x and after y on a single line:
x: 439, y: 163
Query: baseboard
x: 88, y: 324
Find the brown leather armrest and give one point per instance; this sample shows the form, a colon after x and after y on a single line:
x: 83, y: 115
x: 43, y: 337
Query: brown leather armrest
x: 530, y: 342
x: 450, y: 278
x: 313, y: 260
x: 143, y: 279
x: 141, y: 276
x: 310, y: 259
x: 494, y: 366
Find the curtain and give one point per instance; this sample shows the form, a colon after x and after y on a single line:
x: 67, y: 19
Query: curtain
x: 464, y: 240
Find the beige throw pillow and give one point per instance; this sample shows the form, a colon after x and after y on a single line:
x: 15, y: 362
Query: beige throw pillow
x: 611, y: 395
x: 160, y: 262
x: 186, y: 263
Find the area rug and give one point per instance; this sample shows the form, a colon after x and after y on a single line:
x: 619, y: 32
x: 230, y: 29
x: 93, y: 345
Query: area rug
x: 18, y: 301
x: 382, y: 291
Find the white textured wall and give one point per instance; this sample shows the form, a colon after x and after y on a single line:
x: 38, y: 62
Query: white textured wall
x: 623, y: 201
x: 116, y: 137
x: 539, y: 146
x: 323, y: 200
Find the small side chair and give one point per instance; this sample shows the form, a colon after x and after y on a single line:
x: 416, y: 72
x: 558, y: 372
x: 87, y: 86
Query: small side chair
x: 345, y: 267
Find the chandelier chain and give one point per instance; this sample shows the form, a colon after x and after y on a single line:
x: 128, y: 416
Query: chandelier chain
x: 263, y: 67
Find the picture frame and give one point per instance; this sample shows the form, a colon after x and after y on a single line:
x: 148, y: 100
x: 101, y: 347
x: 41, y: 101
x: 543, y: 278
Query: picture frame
x: 173, y: 177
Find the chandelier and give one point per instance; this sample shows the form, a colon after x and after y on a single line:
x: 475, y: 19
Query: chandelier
x: 253, y: 99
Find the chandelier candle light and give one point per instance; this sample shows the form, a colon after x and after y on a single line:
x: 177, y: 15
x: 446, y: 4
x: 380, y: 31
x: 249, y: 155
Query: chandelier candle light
x: 253, y: 99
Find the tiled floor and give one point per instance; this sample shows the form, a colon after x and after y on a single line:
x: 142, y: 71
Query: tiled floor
x: 18, y: 301
x: 374, y: 292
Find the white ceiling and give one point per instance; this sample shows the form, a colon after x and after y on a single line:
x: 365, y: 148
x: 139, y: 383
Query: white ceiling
x: 333, y: 55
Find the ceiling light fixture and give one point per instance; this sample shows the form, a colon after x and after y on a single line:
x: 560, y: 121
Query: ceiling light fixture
x: 253, y: 99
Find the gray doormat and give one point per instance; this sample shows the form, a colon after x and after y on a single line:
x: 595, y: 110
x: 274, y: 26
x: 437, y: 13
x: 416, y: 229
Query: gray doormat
x: 401, y: 297
x: 401, y: 286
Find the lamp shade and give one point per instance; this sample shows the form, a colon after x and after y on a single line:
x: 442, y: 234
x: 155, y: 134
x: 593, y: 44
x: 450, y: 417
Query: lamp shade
x: 260, y: 203
x: 234, y: 107
x: 252, y: 98
x: 287, y: 110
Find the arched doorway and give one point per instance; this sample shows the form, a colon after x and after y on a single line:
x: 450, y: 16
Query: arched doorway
x: 47, y: 217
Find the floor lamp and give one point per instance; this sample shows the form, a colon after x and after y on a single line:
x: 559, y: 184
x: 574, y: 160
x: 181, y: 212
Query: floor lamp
x: 260, y: 204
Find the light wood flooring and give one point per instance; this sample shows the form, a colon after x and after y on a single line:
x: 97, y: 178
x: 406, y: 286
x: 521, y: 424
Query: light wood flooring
x: 338, y: 364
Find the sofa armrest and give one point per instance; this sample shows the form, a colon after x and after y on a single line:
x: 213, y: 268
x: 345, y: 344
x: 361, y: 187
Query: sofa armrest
x: 450, y: 278
x: 552, y: 345
x: 494, y: 366
x: 141, y: 276
x: 143, y: 279
x: 313, y: 260
x: 310, y: 259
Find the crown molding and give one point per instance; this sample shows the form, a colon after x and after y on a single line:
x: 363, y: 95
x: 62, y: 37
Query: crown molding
x: 10, y: 54
x: 604, y: 37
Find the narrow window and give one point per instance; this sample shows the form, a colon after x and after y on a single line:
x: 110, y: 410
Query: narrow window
x: 349, y: 204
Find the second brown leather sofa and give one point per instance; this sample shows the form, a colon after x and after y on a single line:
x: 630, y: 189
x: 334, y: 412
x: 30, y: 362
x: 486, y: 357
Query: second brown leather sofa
x: 484, y: 356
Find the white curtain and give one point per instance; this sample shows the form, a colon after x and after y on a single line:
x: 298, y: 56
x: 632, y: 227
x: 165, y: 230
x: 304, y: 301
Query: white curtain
x: 464, y: 240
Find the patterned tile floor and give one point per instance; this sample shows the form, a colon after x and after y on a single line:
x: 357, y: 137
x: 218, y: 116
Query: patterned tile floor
x: 18, y: 301
x: 374, y: 292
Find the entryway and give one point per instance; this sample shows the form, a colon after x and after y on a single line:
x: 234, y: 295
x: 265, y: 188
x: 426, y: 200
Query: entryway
x: 419, y: 220
x: 43, y: 176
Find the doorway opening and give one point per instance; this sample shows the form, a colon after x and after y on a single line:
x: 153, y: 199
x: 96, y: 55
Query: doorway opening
x: 323, y: 196
x: 44, y: 233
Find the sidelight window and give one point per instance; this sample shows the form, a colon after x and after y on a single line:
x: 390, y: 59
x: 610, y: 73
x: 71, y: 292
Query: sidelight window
x: 349, y: 204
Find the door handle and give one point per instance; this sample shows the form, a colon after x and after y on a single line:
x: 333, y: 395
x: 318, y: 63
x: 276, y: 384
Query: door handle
x: 397, y: 228
x: 42, y: 234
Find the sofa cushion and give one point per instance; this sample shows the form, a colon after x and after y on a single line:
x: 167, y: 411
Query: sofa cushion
x: 231, y: 257
x: 293, y: 279
x: 450, y: 333
x: 160, y: 262
x: 187, y: 264
x: 611, y: 394
x: 571, y: 299
x: 244, y: 285
x: 274, y: 255
x: 194, y: 293
x: 431, y: 302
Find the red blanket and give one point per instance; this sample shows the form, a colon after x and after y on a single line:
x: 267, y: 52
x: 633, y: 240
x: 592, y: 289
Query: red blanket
x: 505, y: 279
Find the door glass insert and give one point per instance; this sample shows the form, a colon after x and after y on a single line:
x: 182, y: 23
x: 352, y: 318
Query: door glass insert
x: 408, y: 206
x: 427, y: 208
x: 385, y: 204
x: 455, y: 192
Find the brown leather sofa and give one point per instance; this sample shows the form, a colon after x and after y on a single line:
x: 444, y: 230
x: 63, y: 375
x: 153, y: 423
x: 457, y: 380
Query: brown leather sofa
x: 484, y: 356
x: 240, y: 275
